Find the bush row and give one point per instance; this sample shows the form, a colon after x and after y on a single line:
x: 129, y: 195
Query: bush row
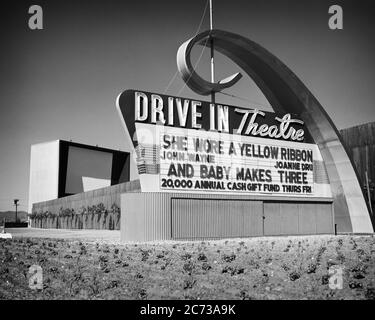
x: 91, y: 217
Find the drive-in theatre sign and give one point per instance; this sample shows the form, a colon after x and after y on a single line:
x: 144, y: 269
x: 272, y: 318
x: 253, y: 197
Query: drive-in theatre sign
x: 188, y: 145
x: 209, y: 170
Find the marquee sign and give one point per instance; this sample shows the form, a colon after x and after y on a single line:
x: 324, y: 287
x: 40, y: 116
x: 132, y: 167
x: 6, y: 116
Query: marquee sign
x: 184, y: 145
x: 146, y: 107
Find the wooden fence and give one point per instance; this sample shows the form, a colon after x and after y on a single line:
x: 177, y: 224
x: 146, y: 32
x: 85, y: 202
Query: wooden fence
x: 360, y: 144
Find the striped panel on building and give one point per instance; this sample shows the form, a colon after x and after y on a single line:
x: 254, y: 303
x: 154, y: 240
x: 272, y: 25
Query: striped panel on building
x: 214, y: 218
x: 147, y: 216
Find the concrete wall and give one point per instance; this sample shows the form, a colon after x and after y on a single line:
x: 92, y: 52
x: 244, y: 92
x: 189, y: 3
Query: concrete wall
x: 107, y: 196
x: 44, y: 172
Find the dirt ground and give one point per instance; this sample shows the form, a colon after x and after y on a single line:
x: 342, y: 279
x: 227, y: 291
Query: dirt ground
x: 102, y: 236
x: 94, y: 265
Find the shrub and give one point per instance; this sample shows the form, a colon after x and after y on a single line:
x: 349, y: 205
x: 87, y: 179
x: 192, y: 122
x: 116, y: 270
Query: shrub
x: 188, y: 267
x: 33, y: 215
x: 206, y: 266
x: 370, y: 293
x: 325, y: 279
x: 115, y: 209
x: 66, y: 212
x: 202, y: 257
x: 294, y: 275
x: 189, y: 283
x: 95, y: 210
x: 43, y: 214
x: 51, y: 214
x: 311, y: 268
x: 229, y: 257
x: 186, y: 256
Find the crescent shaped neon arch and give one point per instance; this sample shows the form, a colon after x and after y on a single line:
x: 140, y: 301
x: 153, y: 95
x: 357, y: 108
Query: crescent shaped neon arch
x: 287, y: 94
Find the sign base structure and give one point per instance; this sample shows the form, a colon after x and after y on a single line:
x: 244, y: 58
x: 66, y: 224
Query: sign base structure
x: 207, y: 184
x: 209, y: 170
x: 149, y: 216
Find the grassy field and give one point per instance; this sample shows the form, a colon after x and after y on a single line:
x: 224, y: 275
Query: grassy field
x: 257, y: 268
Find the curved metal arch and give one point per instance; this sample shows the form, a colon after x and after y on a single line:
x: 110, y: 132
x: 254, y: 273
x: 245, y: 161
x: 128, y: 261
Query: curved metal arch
x: 192, y: 79
x: 287, y: 94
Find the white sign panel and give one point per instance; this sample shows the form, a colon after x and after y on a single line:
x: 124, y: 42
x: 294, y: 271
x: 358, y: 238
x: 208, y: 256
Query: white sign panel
x: 180, y: 160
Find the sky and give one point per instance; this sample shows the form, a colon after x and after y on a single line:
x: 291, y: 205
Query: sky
x: 62, y: 82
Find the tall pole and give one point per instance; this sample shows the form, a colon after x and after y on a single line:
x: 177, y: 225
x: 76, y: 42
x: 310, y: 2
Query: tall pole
x: 212, y: 53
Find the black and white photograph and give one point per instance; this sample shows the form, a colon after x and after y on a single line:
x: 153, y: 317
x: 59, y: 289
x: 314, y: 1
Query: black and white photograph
x: 187, y: 155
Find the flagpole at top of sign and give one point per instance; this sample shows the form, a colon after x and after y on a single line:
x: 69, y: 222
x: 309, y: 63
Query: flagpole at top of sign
x: 212, y: 53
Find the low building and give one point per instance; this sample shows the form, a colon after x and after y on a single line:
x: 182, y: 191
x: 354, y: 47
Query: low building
x: 59, y: 169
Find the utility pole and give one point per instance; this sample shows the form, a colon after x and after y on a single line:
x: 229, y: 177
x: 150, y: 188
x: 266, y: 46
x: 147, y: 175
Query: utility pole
x: 16, y: 204
x: 212, y: 53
